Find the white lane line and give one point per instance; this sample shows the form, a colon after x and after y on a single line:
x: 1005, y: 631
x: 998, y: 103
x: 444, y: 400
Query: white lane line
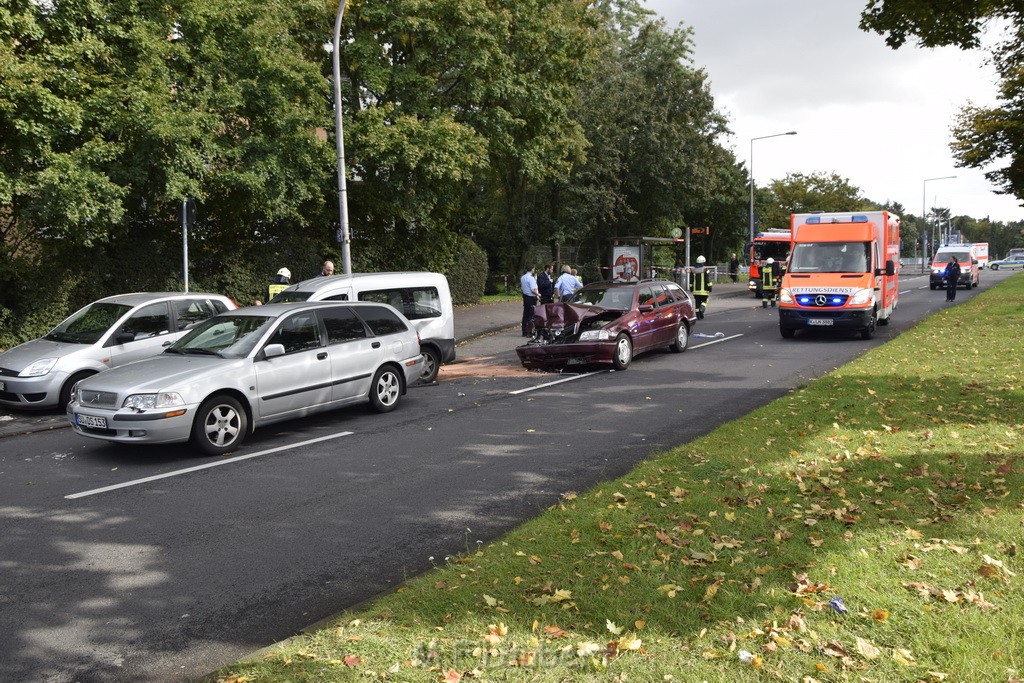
x: 717, y: 341
x: 908, y: 291
x: 557, y: 381
x: 207, y: 466
x: 598, y: 372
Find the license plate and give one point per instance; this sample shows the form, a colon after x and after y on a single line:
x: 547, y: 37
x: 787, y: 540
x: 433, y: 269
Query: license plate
x: 90, y: 421
x: 825, y: 322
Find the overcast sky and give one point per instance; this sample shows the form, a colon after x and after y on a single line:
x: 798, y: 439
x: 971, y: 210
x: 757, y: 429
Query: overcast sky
x: 878, y: 117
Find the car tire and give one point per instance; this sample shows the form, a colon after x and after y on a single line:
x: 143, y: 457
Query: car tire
x: 65, y: 391
x: 385, y: 390
x: 682, y: 339
x: 623, y: 355
x: 869, y: 331
x: 931, y: 287
x: 431, y: 365
x: 994, y: 267
x: 220, y: 426
x: 787, y: 332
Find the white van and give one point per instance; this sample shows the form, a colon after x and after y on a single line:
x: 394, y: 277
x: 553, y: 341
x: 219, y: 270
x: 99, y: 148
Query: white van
x: 424, y: 298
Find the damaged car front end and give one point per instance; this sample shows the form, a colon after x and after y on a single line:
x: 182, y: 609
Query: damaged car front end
x: 607, y: 324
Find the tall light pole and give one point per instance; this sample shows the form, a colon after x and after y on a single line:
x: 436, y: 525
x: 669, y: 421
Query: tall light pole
x: 343, y: 234
x: 792, y: 132
x: 924, y: 220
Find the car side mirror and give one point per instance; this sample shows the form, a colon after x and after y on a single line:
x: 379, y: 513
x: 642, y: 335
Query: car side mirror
x: 125, y: 337
x: 273, y: 350
x: 890, y: 268
x: 645, y: 308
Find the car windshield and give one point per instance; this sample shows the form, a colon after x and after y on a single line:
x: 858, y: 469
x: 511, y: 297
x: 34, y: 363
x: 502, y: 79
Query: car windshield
x: 89, y: 324
x: 228, y: 336
x: 612, y: 297
x: 945, y: 256
x: 830, y: 257
x: 290, y: 296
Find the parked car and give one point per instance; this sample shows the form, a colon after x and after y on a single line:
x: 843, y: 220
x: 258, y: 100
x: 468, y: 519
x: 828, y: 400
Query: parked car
x: 607, y: 323
x: 424, y: 298
x: 1012, y: 263
x: 105, y: 334
x: 252, y: 367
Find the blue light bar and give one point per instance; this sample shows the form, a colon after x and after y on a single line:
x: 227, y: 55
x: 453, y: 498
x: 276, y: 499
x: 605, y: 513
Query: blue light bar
x: 813, y: 220
x: 860, y: 219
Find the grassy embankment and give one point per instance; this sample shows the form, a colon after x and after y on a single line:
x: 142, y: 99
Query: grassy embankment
x: 893, y: 484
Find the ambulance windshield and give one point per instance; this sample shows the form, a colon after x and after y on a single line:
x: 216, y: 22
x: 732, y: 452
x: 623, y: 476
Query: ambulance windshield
x: 830, y: 257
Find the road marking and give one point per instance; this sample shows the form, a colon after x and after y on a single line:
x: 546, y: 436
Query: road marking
x: 717, y: 341
x: 207, y: 466
x: 557, y: 381
x: 908, y: 291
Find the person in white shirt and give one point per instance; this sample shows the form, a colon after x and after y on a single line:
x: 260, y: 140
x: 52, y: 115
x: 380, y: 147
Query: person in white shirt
x: 528, y: 284
x: 566, y: 284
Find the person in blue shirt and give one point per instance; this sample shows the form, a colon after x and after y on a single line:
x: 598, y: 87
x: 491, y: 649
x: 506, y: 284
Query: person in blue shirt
x: 566, y: 284
x: 528, y: 284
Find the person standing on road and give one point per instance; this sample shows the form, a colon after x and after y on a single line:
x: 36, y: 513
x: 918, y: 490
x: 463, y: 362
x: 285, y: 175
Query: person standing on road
x: 528, y: 285
x: 566, y: 284
x: 700, y: 286
x: 769, y: 282
x: 734, y: 267
x: 545, y: 285
x: 327, y: 270
x: 952, y: 275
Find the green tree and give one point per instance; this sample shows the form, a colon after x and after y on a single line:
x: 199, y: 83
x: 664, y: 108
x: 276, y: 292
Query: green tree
x: 800, y: 193
x: 983, y: 137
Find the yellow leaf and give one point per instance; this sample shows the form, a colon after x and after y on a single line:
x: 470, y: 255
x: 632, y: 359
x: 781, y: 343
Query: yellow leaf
x: 880, y: 615
x: 904, y: 657
x: 639, y: 624
x: 612, y: 628
x: 629, y: 642
x: 491, y: 602
x: 709, y: 593
x: 866, y: 649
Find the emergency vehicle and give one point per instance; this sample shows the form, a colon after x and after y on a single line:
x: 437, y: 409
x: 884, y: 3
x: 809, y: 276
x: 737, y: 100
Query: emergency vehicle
x: 969, y: 267
x: 842, y: 272
x: 773, y: 244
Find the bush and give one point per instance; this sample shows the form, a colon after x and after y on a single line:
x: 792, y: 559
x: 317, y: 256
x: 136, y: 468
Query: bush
x: 469, y: 275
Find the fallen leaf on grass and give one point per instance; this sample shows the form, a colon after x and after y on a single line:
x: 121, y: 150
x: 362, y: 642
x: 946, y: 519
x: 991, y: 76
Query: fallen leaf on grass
x: 866, y: 649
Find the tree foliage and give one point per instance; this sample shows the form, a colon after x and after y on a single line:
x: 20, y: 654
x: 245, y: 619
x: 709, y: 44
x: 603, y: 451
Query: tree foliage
x: 800, y: 193
x: 983, y: 137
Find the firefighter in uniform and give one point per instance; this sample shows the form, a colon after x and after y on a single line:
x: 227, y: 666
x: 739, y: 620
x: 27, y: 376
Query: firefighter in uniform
x: 769, y: 282
x: 700, y: 286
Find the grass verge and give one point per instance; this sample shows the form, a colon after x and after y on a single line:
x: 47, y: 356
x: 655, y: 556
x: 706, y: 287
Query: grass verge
x: 864, y: 527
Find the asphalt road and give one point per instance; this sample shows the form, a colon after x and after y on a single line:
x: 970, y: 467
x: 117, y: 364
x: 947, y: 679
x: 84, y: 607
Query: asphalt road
x: 169, y: 578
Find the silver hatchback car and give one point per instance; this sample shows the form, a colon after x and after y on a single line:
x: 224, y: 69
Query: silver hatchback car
x: 252, y: 367
x: 110, y: 332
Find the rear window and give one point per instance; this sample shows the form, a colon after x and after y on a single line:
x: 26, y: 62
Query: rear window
x: 342, y: 325
x: 415, y: 303
x: 381, y: 320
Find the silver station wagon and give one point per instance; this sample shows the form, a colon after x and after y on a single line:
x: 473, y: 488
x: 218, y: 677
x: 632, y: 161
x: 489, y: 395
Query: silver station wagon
x: 252, y: 367
x: 113, y: 331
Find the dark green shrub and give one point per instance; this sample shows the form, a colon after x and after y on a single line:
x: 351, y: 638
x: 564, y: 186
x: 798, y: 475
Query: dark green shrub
x: 468, y: 276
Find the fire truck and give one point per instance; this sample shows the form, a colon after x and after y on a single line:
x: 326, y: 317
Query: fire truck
x: 774, y: 244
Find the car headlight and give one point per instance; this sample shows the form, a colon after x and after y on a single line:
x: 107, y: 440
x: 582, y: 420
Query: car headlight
x: 596, y: 335
x: 38, y: 368
x: 148, y: 401
x: 862, y: 296
x: 785, y: 296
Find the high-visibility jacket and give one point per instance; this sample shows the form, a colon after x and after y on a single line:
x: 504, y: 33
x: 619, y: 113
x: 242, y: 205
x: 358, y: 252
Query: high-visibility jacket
x: 700, y: 283
x: 769, y: 280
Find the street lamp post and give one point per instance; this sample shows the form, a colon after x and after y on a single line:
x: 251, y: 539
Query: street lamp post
x: 792, y: 132
x: 924, y: 220
x: 343, y: 233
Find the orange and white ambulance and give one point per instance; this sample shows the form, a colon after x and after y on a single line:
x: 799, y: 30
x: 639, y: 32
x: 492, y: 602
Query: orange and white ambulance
x: 843, y: 272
